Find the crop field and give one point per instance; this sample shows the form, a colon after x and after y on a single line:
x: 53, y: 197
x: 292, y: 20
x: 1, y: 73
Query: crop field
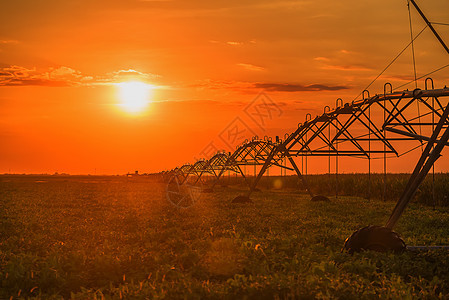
x: 93, y: 237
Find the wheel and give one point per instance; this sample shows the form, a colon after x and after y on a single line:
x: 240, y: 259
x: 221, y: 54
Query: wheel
x: 320, y: 198
x: 242, y: 199
x: 376, y: 238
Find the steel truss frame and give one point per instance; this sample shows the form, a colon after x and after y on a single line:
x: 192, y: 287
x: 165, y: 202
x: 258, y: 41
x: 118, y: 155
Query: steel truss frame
x: 252, y: 152
x: 372, y: 127
x: 213, y: 166
x: 359, y: 129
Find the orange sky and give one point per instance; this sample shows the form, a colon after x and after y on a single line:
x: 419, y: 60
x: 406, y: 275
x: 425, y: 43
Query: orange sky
x: 209, y: 60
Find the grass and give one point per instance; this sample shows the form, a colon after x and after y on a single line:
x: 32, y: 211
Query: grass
x: 116, y: 237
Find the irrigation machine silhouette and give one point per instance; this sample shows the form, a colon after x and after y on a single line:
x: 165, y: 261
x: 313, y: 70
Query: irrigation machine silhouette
x: 373, y: 127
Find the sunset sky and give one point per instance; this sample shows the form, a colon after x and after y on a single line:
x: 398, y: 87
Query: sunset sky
x: 204, y: 63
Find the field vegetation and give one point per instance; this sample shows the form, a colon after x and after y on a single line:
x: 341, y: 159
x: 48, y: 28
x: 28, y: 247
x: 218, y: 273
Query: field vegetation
x: 434, y: 191
x: 92, y: 237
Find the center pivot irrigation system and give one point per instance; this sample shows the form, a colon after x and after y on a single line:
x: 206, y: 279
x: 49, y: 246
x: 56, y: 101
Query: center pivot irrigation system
x: 382, y: 126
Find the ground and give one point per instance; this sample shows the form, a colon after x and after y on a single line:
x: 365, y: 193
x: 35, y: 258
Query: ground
x: 117, y: 237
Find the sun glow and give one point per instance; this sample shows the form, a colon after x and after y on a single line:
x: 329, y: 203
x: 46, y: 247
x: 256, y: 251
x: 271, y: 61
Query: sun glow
x: 134, y: 95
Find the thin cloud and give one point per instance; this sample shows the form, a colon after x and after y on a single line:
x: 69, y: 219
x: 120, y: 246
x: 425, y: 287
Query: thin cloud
x: 221, y: 84
x: 126, y: 75
x: 320, y: 58
x: 244, y: 86
x: 234, y: 43
x: 346, y: 68
x: 340, y: 62
x: 287, y: 87
x: 251, y: 67
x: 344, y: 51
x: 54, y: 77
x: 9, y: 41
x: 201, y: 101
x: 64, y: 76
x: 36, y: 82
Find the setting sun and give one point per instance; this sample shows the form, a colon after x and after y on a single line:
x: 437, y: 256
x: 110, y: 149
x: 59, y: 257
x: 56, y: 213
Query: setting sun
x: 134, y: 95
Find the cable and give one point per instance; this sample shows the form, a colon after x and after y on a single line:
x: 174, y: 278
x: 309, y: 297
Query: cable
x: 411, y: 41
x: 439, y: 69
x: 438, y: 23
x: 397, y: 56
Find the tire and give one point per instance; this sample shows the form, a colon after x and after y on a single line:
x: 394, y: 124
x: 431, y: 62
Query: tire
x: 318, y: 198
x: 376, y: 238
x: 242, y: 199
